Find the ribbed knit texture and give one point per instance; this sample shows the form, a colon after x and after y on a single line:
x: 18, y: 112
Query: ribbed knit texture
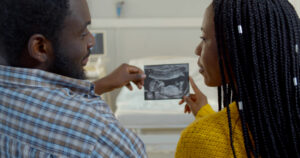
x: 208, y: 135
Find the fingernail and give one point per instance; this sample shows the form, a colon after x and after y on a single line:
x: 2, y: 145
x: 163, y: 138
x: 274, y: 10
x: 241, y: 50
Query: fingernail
x: 144, y: 76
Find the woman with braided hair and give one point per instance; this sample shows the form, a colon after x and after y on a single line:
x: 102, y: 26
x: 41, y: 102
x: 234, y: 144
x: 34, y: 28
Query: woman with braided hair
x: 250, y: 51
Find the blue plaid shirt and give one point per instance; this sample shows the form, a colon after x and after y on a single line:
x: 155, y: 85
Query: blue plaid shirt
x: 48, y: 115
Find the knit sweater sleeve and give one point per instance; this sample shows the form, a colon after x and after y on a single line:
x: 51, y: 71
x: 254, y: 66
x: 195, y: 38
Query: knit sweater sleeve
x: 204, y: 111
x: 208, y: 135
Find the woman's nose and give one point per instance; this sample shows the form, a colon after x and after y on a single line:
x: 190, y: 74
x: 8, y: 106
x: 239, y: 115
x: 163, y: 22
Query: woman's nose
x: 198, y: 49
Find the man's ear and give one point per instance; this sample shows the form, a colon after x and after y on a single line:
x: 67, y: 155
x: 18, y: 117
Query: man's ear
x: 39, y: 48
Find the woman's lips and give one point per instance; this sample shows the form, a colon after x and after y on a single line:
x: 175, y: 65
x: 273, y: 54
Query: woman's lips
x: 201, y: 70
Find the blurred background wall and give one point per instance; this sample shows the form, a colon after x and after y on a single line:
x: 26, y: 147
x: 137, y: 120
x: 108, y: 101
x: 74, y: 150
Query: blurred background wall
x: 148, y: 28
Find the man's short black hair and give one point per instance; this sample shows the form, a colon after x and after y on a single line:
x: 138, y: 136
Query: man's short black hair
x: 20, y: 19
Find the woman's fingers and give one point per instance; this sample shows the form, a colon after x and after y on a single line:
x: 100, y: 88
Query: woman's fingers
x: 187, y: 109
x: 189, y: 101
x: 193, y: 97
x: 194, y: 86
x: 192, y: 105
x: 181, y: 101
x: 194, y: 102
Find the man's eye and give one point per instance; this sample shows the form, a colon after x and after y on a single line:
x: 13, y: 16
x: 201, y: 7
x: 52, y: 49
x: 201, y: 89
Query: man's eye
x: 84, y: 34
x: 203, y: 39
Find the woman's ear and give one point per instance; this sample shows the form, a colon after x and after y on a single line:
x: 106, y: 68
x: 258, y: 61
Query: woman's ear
x: 39, y: 48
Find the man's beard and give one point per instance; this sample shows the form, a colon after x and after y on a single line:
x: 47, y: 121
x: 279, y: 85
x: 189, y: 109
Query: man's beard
x: 63, y: 65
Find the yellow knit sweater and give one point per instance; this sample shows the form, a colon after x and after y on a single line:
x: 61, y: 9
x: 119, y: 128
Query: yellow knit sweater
x: 208, y: 136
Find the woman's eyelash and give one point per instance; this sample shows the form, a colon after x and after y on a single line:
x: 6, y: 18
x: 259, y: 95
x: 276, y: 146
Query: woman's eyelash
x: 202, y: 38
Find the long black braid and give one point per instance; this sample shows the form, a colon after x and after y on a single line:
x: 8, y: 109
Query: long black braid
x: 258, y: 41
x: 294, y: 91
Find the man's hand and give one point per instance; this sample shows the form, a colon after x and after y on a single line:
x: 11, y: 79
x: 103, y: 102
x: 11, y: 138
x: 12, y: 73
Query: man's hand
x: 194, y: 102
x: 122, y: 76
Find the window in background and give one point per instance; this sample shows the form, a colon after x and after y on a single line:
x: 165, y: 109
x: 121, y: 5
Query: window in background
x: 95, y: 67
x: 99, y: 47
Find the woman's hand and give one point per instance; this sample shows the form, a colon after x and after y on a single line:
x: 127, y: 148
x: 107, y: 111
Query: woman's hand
x: 194, y: 102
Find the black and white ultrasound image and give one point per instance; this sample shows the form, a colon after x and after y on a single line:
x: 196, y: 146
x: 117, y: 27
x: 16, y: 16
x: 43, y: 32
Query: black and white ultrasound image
x: 165, y: 82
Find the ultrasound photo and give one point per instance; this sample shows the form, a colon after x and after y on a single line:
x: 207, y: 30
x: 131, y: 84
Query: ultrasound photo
x: 166, y: 81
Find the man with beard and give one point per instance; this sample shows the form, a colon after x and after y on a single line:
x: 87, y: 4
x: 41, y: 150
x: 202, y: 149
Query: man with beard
x: 46, y: 108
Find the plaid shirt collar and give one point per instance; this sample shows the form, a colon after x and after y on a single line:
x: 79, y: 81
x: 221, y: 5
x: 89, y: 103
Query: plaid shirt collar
x: 38, y: 78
